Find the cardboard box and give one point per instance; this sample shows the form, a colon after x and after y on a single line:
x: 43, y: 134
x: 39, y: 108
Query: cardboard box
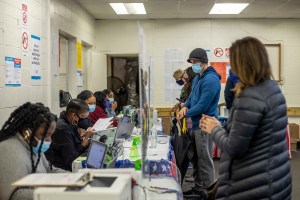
x: 294, y: 131
x: 293, y: 144
x: 166, y: 124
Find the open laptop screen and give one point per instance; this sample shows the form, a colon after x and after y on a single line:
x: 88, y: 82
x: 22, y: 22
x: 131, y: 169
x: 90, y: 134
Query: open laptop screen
x: 96, y: 154
x: 124, y: 130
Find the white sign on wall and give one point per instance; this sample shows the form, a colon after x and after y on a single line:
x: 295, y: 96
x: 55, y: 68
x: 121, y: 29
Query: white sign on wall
x: 25, y: 34
x: 173, y: 60
x: 24, y: 14
x: 220, y: 54
x: 35, y: 58
x: 79, y: 78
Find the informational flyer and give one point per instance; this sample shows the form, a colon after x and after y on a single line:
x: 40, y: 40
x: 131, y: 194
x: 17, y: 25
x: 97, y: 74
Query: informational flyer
x: 13, y: 71
x: 173, y: 60
x: 79, y: 55
x: 35, y: 58
x: 222, y: 68
x: 79, y: 78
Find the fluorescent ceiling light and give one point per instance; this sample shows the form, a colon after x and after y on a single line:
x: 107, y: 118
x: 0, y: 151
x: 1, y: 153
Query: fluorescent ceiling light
x: 228, y: 8
x: 119, y: 8
x: 128, y: 8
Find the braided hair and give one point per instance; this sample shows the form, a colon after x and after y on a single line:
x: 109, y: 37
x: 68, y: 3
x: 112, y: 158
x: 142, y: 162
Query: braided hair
x: 28, y: 116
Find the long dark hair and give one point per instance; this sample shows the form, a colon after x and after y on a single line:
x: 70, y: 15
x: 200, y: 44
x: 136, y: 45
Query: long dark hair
x: 77, y: 106
x: 85, y: 95
x: 106, y: 91
x: 100, y: 99
x: 28, y: 116
x: 249, y: 61
x: 189, y: 81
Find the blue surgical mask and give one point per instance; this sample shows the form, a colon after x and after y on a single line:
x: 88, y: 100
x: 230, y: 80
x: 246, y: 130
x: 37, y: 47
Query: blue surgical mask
x: 45, y: 146
x: 197, y: 68
x: 92, y: 107
x: 111, y: 100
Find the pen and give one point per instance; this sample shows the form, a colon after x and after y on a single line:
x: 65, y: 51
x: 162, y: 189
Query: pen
x: 161, y: 188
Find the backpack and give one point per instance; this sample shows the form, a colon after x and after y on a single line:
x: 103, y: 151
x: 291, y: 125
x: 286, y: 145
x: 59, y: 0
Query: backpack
x: 64, y: 98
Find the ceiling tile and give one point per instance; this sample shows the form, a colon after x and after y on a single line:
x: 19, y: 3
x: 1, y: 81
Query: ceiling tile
x: 166, y: 9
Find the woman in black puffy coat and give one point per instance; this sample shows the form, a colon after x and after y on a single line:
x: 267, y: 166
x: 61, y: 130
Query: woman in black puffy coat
x: 254, y: 164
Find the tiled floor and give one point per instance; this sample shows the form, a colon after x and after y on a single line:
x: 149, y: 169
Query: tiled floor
x: 295, y: 168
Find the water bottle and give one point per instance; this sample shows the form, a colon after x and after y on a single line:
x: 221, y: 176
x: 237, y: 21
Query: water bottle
x: 154, y: 116
x: 153, y: 137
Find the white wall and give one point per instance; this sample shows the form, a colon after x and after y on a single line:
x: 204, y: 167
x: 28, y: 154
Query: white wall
x: 10, y: 45
x: 69, y: 18
x: 206, y: 33
x: 46, y: 18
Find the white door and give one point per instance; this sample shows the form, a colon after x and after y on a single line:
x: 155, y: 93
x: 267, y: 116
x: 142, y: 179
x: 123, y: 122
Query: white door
x: 97, y: 74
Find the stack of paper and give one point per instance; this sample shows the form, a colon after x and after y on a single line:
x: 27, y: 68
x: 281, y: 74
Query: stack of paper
x: 102, y: 124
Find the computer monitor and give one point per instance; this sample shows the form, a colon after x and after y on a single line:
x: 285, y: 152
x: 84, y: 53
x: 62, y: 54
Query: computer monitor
x: 96, y: 154
x: 124, y: 130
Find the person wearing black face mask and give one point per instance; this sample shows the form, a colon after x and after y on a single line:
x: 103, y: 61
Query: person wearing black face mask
x: 178, y: 76
x: 67, y: 143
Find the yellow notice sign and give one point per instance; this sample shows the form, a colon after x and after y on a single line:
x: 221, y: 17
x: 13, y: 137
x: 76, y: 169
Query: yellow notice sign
x: 79, y: 55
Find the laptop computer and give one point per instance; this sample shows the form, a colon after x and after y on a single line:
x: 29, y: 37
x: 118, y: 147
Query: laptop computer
x: 110, y: 133
x: 124, y: 130
x: 125, y: 119
x: 96, y: 154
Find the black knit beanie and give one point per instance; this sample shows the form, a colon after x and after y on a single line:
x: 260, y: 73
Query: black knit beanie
x: 199, y: 55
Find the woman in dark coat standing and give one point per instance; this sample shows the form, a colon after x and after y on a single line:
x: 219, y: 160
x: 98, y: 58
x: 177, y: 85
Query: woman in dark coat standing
x: 254, y: 164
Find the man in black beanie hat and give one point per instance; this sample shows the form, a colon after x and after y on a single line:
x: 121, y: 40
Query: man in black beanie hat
x: 203, y: 99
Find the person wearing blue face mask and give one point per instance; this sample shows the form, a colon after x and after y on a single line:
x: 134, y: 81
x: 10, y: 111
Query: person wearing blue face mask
x: 24, y: 138
x: 111, y: 104
x: 101, y: 104
x: 203, y: 99
x: 90, y: 99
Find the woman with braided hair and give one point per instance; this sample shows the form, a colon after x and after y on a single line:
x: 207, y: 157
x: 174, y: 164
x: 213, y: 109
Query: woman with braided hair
x: 24, y: 138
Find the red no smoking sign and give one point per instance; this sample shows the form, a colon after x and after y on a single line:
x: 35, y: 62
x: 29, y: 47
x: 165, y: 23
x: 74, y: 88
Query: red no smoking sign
x: 25, y: 40
x: 24, y: 17
x: 218, y: 52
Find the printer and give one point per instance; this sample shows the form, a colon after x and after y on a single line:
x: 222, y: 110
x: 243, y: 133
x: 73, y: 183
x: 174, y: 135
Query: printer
x: 108, y: 184
x: 102, y: 186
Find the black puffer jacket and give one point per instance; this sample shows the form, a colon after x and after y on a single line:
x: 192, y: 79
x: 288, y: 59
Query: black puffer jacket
x: 254, y: 164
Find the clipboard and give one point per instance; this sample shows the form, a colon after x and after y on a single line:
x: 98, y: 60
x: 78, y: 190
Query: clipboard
x: 54, y: 180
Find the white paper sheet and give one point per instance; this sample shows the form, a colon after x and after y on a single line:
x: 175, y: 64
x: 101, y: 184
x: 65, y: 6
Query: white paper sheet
x: 102, y: 124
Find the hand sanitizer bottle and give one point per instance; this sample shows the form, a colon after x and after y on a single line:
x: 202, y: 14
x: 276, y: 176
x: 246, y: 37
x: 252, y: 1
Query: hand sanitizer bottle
x: 153, y: 137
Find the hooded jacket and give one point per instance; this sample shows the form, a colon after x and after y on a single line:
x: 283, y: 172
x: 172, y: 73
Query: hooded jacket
x: 66, y: 144
x: 204, y: 96
x: 232, y: 80
x: 254, y: 163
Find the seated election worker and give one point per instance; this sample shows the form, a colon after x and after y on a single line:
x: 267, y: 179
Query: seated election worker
x: 67, y: 143
x: 89, y: 98
x: 24, y: 138
x: 100, y: 108
x: 111, y: 104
